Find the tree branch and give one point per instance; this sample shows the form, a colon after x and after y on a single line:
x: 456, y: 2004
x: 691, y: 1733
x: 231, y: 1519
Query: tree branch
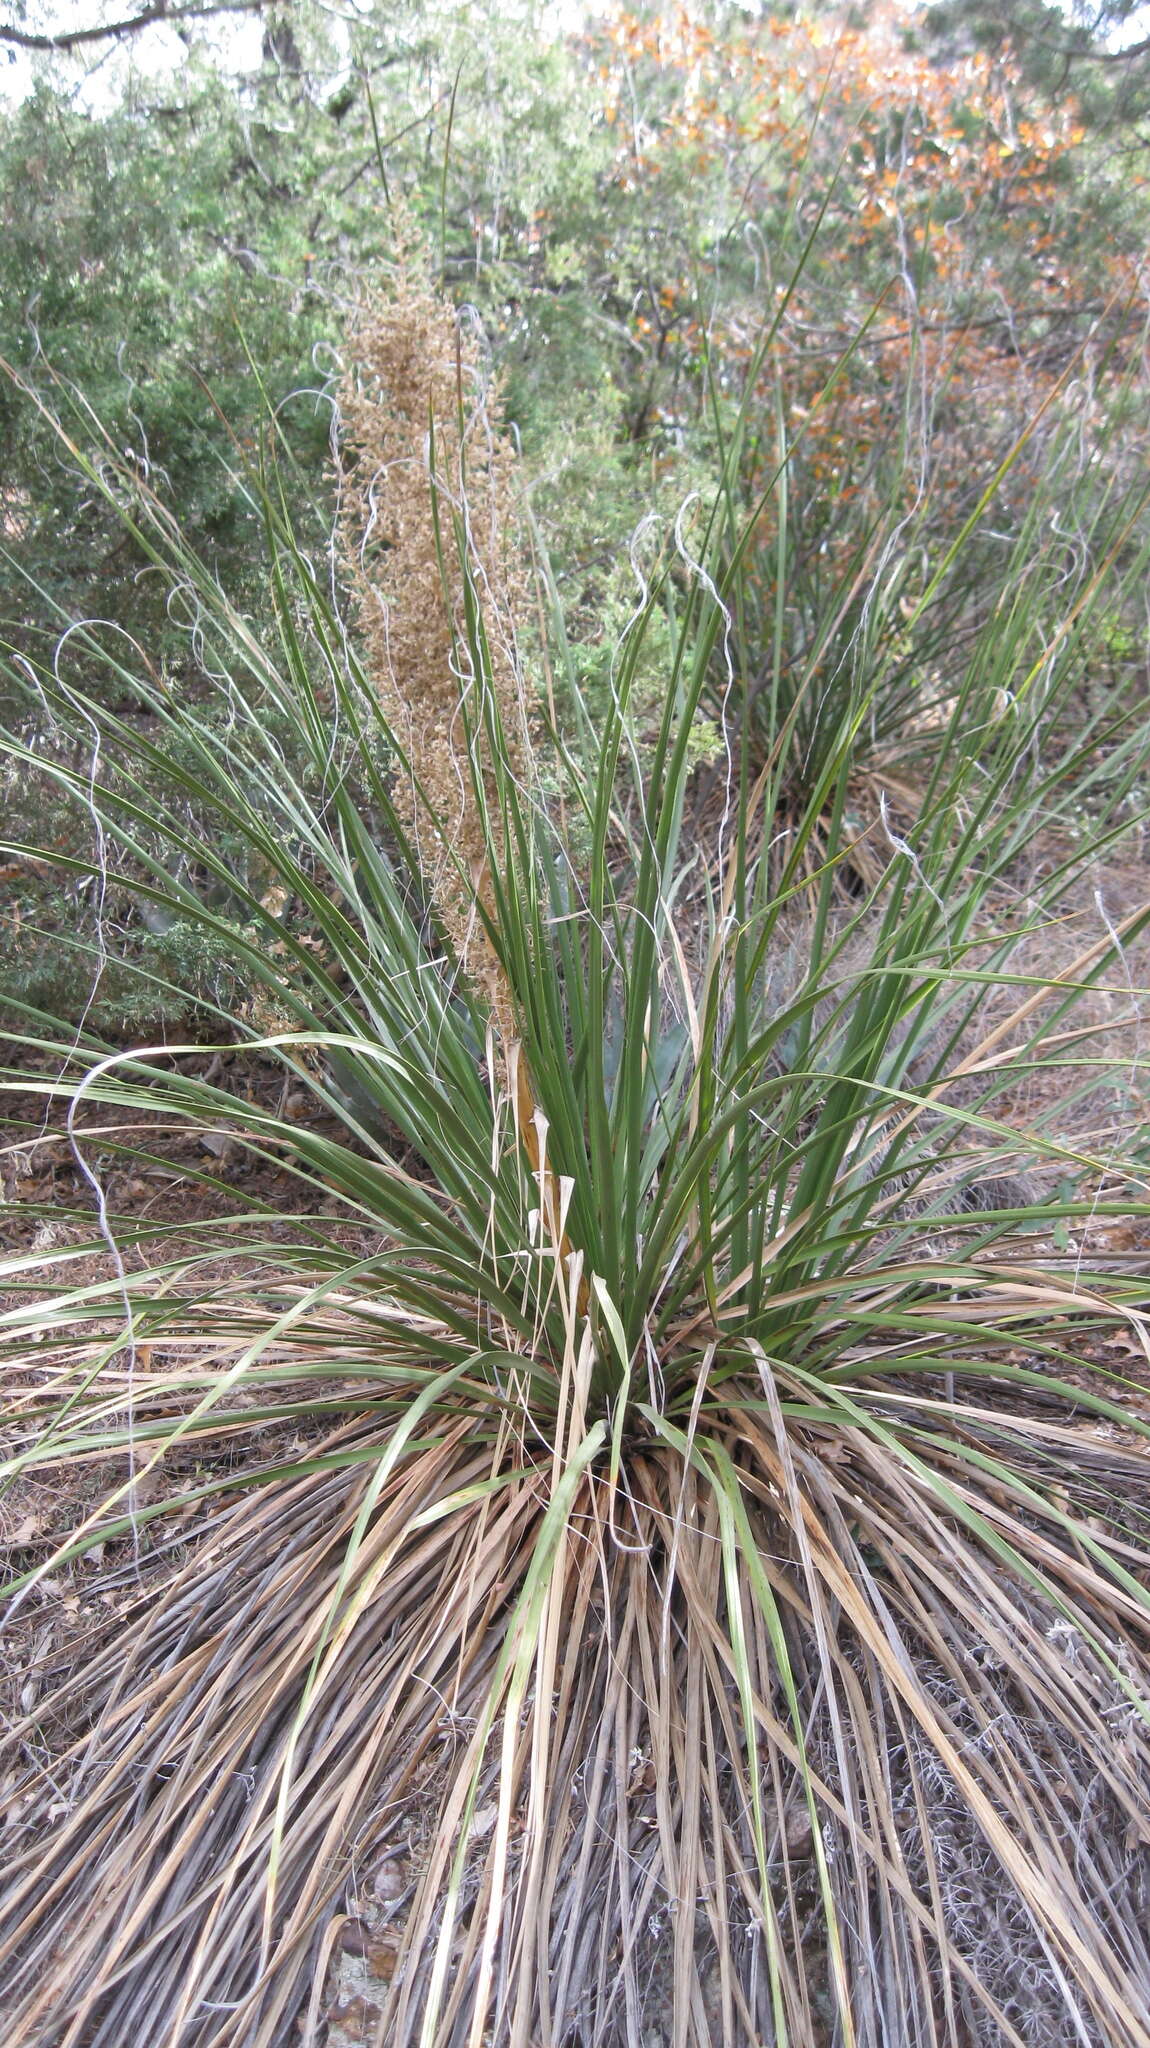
x: 158, y: 11
x: 1086, y: 53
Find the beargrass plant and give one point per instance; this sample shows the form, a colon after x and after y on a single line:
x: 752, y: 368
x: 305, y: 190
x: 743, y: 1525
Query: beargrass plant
x: 861, y: 614
x: 672, y: 1531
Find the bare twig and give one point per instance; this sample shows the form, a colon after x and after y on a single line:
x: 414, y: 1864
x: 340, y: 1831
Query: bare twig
x: 159, y: 11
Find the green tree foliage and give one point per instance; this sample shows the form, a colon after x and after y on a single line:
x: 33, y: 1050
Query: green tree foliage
x: 150, y: 260
x: 1095, y: 52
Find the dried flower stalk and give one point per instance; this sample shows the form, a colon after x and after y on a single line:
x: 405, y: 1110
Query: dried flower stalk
x: 426, y: 465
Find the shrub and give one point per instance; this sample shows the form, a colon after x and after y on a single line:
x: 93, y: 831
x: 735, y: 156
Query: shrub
x: 694, y: 1511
